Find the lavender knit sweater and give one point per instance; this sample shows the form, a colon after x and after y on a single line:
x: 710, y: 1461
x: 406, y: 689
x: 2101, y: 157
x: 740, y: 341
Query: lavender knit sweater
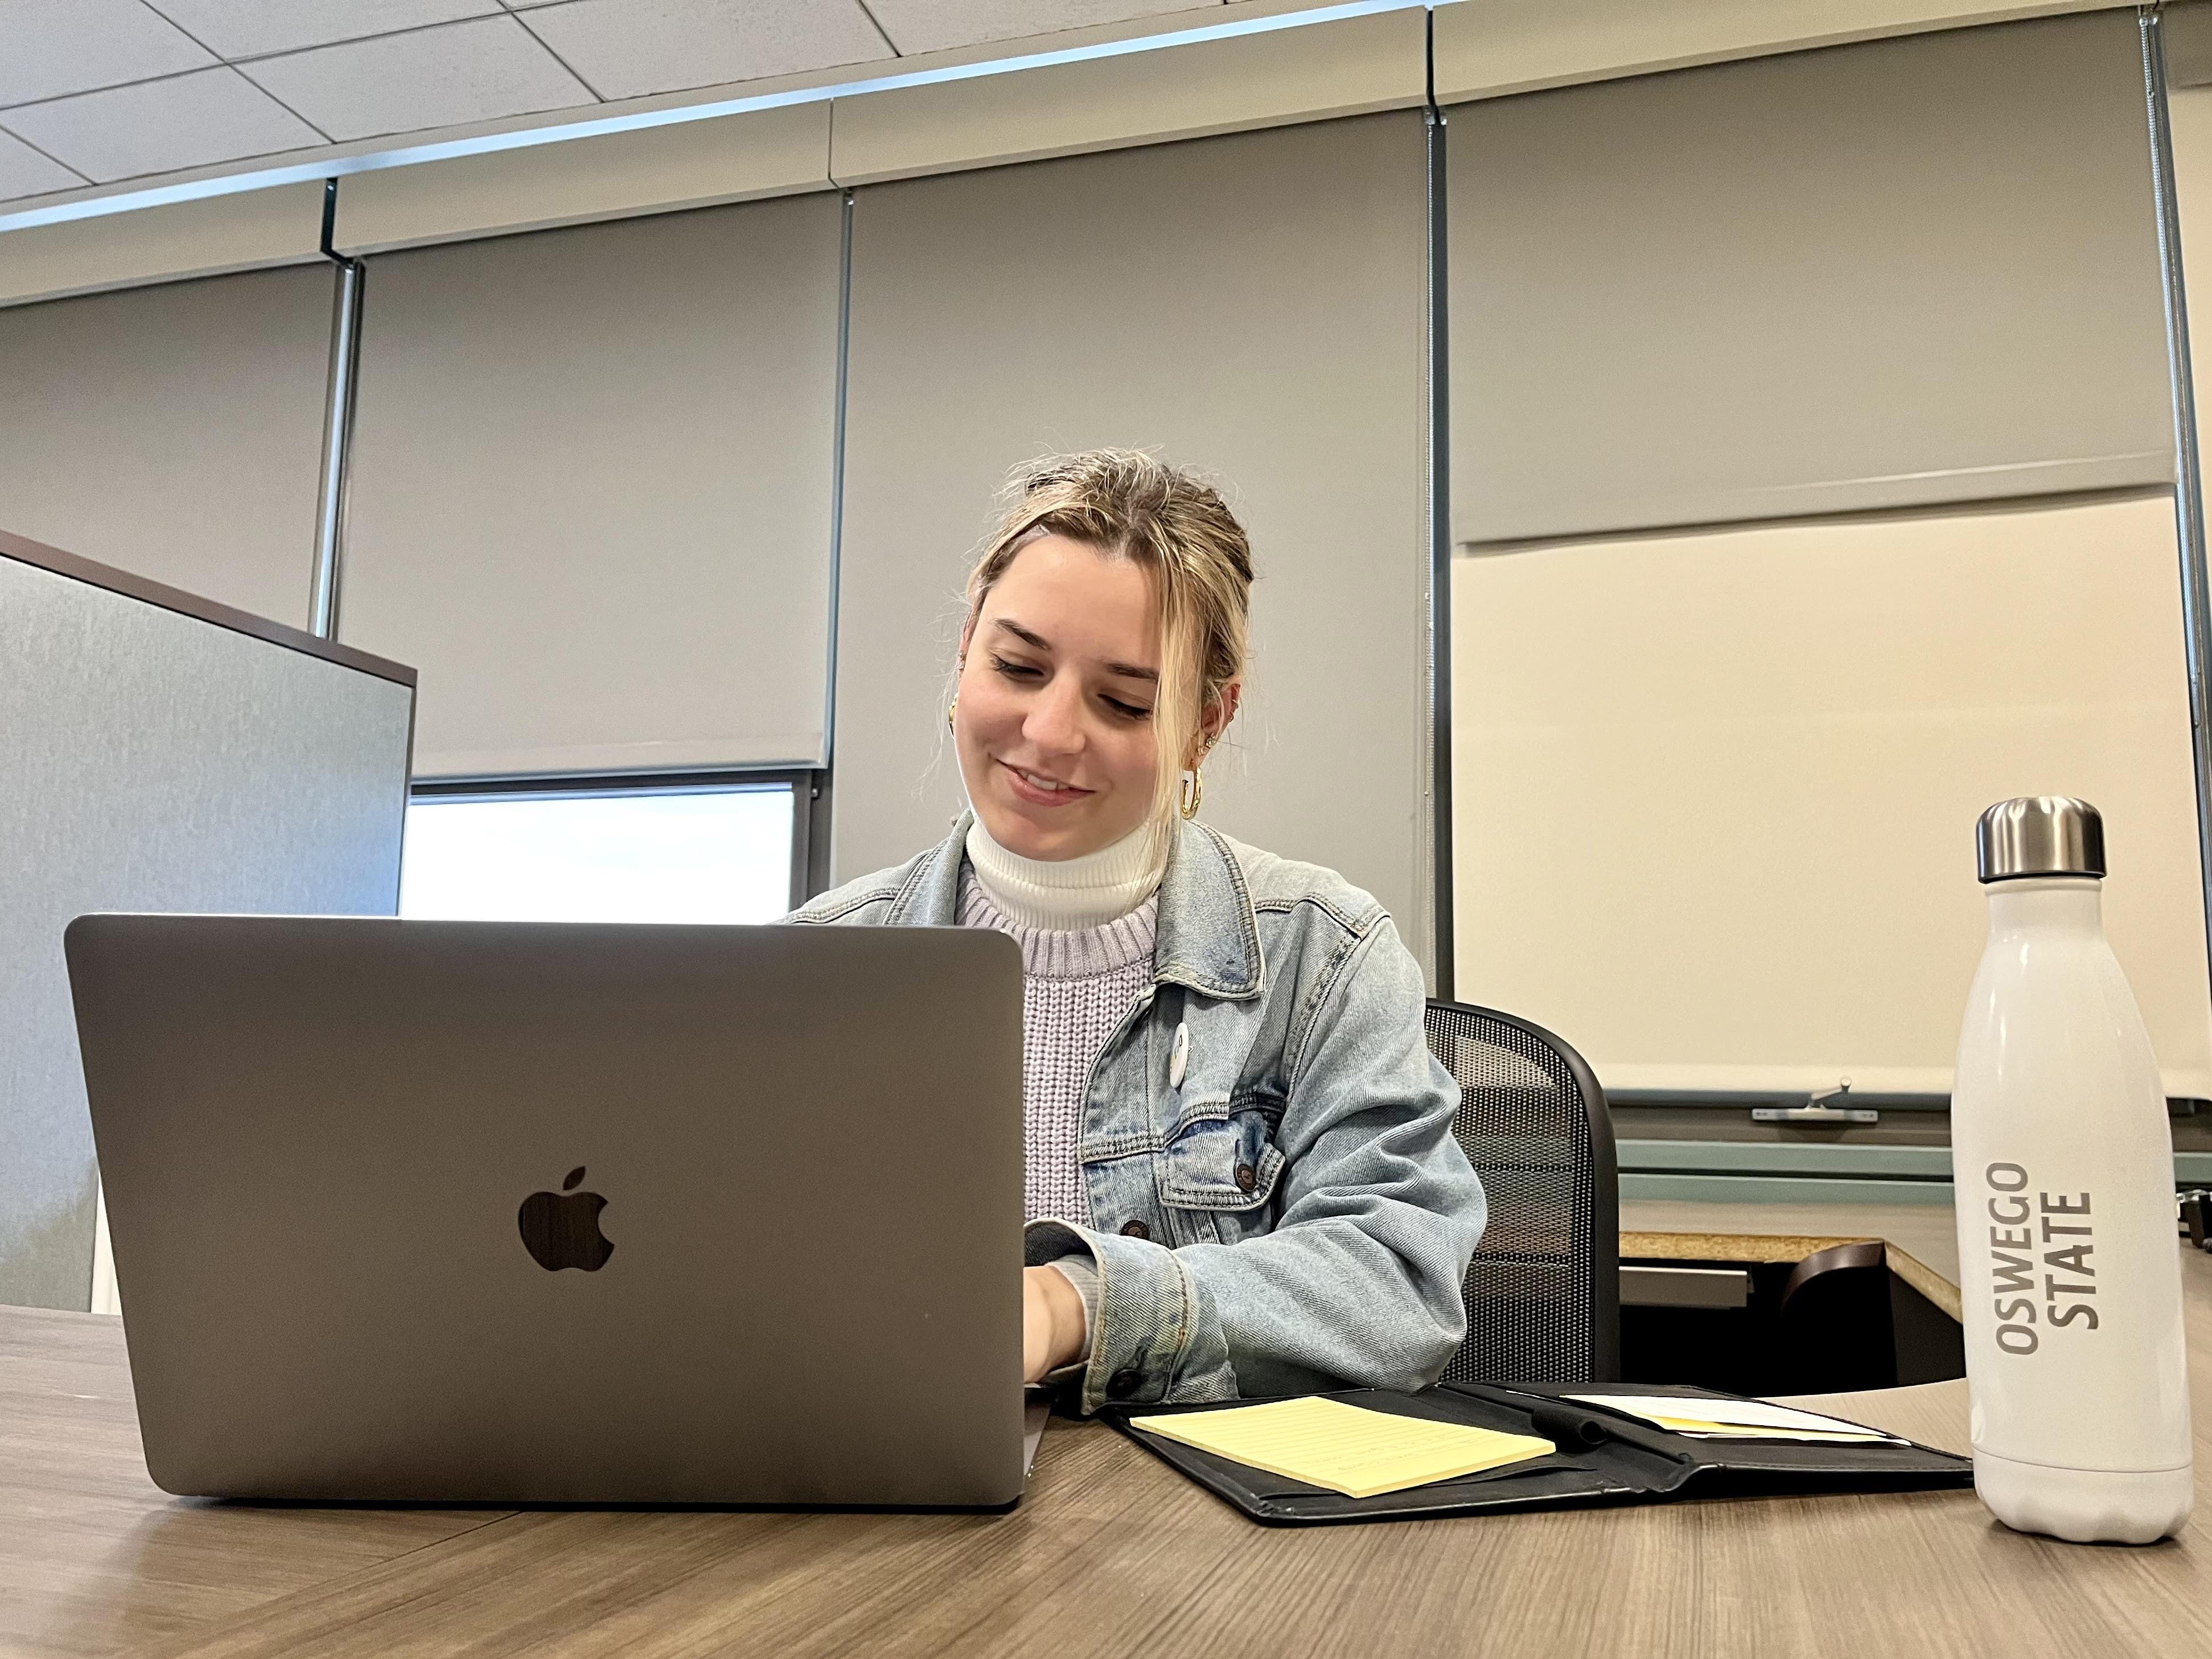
x: 1077, y: 985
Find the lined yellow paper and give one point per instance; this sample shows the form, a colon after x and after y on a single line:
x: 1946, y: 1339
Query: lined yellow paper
x: 1346, y: 1448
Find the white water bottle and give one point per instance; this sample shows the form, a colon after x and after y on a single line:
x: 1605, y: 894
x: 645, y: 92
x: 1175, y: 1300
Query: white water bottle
x: 2070, y: 1274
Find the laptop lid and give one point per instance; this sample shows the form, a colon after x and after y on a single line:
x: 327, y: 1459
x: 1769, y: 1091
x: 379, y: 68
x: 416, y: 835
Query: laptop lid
x: 522, y: 1213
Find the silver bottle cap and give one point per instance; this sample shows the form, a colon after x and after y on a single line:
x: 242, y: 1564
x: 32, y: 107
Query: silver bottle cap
x: 2039, y: 835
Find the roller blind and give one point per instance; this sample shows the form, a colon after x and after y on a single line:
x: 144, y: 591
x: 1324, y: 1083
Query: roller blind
x: 1876, y: 276
x: 590, y: 491
x: 2188, y: 34
x: 175, y: 432
x: 1714, y: 792
x: 2191, y: 109
x: 1251, y: 304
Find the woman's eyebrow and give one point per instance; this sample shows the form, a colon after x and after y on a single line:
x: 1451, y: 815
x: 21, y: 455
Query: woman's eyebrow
x: 1036, y: 641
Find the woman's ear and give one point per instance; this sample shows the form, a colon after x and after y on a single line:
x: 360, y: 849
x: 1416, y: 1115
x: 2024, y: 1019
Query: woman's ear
x: 1218, y: 713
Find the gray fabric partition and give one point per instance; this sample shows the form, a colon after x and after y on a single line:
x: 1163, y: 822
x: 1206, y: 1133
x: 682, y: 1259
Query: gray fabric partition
x: 1906, y: 272
x: 174, y: 431
x: 1251, y: 304
x: 592, y: 488
x: 155, y: 761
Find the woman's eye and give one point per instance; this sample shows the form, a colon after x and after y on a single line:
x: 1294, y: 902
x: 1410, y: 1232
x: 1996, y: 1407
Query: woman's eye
x: 1014, y: 670
x: 1129, y: 710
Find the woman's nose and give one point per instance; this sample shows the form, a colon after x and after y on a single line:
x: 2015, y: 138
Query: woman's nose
x: 1055, y: 725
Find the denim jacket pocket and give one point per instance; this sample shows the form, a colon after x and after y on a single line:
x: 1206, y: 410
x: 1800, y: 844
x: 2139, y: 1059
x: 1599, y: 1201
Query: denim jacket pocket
x: 1222, y: 1162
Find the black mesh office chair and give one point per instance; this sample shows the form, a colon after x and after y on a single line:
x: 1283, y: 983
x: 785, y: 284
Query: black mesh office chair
x: 1543, y: 1293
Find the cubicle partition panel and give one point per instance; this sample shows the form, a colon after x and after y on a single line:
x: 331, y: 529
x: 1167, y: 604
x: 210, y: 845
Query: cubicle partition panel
x: 158, y: 752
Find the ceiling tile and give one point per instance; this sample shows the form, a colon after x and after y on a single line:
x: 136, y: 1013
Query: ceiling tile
x: 254, y: 28
x: 54, y: 47
x: 628, y: 48
x: 457, y: 73
x: 158, y: 126
x: 933, y: 25
x: 24, y: 171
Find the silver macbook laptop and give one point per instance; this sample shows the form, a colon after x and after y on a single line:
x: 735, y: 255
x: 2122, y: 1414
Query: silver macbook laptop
x: 520, y: 1213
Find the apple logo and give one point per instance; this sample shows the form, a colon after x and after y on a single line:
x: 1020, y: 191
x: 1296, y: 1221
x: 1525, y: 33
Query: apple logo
x: 564, y: 1231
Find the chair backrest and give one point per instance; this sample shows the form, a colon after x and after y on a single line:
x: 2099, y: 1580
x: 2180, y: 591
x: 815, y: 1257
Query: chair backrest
x: 1543, y: 1293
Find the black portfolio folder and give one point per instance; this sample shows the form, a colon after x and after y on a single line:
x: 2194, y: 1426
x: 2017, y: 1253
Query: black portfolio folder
x: 1603, y: 1457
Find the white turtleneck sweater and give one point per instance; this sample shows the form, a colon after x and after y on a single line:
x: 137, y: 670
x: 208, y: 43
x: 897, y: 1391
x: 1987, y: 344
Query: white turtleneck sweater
x: 1069, y: 895
x: 1086, y: 927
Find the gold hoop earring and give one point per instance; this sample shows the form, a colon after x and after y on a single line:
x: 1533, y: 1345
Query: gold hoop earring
x: 1191, y: 791
x: 949, y: 708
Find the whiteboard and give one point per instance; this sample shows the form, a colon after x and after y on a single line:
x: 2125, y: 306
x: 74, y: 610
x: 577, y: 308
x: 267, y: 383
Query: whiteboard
x: 1714, y: 792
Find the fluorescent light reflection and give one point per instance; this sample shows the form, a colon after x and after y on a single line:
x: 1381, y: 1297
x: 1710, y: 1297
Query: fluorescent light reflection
x: 723, y: 856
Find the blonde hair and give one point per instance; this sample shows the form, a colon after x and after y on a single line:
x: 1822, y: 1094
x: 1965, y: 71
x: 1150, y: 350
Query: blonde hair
x: 1127, y: 504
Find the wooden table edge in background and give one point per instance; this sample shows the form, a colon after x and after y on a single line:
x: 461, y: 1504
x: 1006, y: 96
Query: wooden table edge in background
x: 1787, y: 1247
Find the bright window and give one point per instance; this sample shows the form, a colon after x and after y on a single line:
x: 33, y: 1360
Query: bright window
x: 696, y: 855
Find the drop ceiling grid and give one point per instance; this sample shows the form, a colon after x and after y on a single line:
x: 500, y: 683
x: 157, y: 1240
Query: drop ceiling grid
x: 27, y: 170
x: 240, y: 29
x: 145, y: 126
x: 480, y: 69
x: 97, y: 92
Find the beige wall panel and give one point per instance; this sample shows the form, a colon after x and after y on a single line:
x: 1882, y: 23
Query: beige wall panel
x: 1250, y: 305
x: 247, y: 230
x: 775, y: 152
x: 174, y: 431
x: 1716, y: 793
x: 1884, y: 275
x: 592, y: 489
x: 1485, y: 48
x: 1343, y: 68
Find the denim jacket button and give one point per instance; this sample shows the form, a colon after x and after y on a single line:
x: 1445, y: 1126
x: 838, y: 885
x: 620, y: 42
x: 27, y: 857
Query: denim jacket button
x: 1247, y: 1177
x: 1123, y: 1384
x: 1135, y: 1229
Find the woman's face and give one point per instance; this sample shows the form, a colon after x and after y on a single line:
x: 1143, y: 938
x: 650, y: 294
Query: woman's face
x: 1059, y: 673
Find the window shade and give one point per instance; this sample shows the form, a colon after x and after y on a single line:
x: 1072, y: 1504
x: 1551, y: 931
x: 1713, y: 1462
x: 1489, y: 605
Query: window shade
x: 1251, y: 304
x: 1877, y: 276
x: 1715, y: 792
x: 591, y: 487
x: 174, y: 431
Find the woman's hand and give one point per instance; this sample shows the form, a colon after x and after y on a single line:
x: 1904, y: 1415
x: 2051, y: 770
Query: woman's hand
x: 1054, y: 1330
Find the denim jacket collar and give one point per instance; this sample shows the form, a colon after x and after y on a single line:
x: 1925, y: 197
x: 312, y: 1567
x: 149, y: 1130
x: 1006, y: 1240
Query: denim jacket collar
x: 1209, y: 939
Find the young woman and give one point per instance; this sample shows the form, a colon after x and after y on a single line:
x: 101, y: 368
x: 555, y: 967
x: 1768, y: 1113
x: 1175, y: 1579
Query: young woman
x: 1241, y: 1177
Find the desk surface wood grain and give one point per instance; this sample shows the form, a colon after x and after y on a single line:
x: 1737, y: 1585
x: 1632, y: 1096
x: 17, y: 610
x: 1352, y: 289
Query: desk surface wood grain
x: 1110, y: 1553
x: 94, y: 1558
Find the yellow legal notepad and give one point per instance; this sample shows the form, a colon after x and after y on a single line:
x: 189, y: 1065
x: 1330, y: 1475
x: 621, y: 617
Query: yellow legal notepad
x: 1346, y: 1448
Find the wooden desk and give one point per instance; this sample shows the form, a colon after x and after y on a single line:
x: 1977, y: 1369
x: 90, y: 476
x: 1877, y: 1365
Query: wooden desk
x: 1111, y: 1553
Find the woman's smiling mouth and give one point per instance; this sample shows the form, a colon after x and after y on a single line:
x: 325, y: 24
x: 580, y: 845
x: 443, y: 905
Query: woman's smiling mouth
x: 1039, y: 791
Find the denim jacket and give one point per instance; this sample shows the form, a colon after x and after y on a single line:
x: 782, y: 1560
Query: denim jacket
x: 1295, y: 1215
